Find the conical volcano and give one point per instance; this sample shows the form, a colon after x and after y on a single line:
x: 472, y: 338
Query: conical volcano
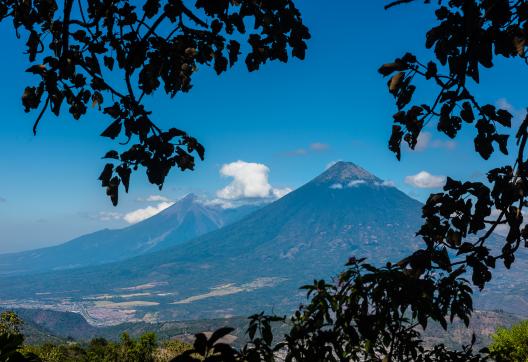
x: 343, y: 173
x: 259, y: 262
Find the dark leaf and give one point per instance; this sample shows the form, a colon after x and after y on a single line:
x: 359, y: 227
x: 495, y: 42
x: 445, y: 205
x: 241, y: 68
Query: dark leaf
x: 113, y: 130
x: 218, y: 334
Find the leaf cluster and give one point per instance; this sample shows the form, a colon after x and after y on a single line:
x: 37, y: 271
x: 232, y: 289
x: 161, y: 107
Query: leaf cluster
x: 78, y: 49
x: 365, y: 314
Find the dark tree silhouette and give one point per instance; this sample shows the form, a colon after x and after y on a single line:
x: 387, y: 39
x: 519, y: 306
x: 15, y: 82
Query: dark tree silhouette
x: 458, y: 222
x: 374, y: 314
x: 80, y: 49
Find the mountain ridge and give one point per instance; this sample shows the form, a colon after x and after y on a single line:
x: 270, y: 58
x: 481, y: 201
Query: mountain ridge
x: 184, y: 220
x: 258, y: 261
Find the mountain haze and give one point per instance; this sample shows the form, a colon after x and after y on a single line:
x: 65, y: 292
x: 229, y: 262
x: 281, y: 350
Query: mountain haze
x: 256, y: 263
x: 185, y: 220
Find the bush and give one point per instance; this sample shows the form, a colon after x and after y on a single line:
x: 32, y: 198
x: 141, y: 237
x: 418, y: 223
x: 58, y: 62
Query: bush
x: 510, y: 344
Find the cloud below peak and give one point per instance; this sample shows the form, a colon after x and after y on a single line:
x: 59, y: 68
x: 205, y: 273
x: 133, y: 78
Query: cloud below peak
x: 138, y: 215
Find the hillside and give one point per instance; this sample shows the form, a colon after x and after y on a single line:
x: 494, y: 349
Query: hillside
x: 42, y: 326
x: 185, y: 220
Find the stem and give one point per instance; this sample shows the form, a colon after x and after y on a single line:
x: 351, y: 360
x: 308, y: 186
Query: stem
x: 35, y: 125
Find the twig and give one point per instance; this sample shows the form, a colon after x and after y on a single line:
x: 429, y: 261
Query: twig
x: 396, y: 3
x: 35, y: 125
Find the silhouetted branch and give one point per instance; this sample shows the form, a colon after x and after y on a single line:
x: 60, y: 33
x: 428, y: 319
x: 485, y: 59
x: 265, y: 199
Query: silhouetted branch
x: 41, y: 114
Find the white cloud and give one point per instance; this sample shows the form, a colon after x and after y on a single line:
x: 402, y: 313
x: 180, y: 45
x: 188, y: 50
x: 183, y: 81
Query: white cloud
x: 250, y: 181
x: 158, y: 198
x: 225, y: 204
x: 154, y: 198
x: 356, y: 183
x: 386, y: 183
x: 425, y: 180
x: 136, y: 216
x: 278, y: 193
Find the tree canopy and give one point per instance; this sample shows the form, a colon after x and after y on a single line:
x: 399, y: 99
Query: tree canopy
x: 510, y: 344
x: 112, y: 54
x: 467, y: 38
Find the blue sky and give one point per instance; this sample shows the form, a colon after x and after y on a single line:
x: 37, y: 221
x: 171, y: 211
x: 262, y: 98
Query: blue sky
x: 294, y: 118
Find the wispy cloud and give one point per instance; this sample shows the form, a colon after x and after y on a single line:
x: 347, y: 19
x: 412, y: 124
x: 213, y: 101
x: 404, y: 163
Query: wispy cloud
x: 138, y: 215
x: 319, y: 147
x: 387, y: 183
x: 154, y: 198
x: 315, y: 147
x: 357, y: 183
x: 102, y: 215
x: 297, y: 152
x: 424, y: 180
x: 158, y: 198
x: 108, y: 216
x: 425, y: 141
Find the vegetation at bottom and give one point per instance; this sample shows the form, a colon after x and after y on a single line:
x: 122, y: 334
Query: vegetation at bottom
x: 510, y: 344
x: 146, y: 348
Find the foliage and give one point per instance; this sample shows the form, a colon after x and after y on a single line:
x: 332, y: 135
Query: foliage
x: 468, y: 37
x: 10, y: 322
x: 170, y: 350
x: 49, y: 352
x: 99, y: 349
x: 367, y: 314
x: 510, y: 344
x: 79, y: 49
x: 11, y: 339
